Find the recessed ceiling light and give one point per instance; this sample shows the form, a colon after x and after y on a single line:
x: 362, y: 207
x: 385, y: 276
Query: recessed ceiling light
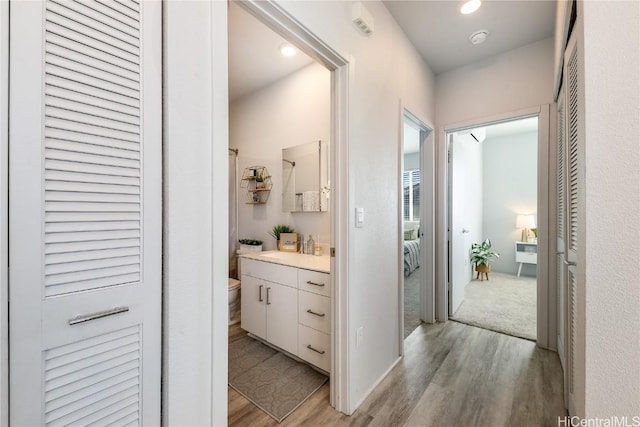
x: 470, y: 7
x: 287, y: 50
x: 479, y: 36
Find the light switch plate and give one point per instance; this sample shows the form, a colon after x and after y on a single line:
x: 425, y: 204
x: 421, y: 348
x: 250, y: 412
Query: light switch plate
x: 359, y: 217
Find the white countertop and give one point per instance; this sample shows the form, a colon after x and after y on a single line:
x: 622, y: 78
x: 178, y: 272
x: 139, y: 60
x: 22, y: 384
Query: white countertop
x: 308, y: 262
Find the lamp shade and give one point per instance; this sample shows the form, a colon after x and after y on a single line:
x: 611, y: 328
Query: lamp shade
x: 525, y: 221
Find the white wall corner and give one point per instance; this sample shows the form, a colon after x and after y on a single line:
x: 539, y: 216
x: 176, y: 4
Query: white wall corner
x: 194, y: 375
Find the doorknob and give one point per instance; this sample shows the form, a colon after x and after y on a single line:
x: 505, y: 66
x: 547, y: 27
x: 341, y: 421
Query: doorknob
x: 465, y: 231
x: 568, y: 263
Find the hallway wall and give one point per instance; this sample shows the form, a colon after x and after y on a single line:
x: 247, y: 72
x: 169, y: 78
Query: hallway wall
x: 511, y: 81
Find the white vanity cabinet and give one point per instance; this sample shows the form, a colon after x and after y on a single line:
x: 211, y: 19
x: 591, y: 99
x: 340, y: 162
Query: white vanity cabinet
x: 270, y: 309
x: 289, y: 307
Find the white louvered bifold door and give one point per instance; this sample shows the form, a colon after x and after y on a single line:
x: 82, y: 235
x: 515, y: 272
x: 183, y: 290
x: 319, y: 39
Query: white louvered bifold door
x: 85, y: 212
x: 561, y: 214
x: 573, y: 208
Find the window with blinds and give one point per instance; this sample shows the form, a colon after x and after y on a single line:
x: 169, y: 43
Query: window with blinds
x: 411, y: 195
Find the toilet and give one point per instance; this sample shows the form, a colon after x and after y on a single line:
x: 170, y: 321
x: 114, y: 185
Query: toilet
x: 234, y: 301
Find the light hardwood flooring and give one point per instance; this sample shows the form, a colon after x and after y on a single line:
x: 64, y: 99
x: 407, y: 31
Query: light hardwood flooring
x: 452, y: 375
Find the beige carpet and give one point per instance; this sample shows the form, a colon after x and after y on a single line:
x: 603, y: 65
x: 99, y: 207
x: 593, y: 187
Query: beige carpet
x: 272, y: 381
x: 504, y: 303
x: 411, y: 302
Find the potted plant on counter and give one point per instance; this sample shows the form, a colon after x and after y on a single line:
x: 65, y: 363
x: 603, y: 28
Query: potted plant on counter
x: 250, y: 245
x: 481, y: 256
x: 279, y: 229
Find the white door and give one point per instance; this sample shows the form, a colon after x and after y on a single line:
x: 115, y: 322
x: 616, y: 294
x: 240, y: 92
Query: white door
x: 85, y: 212
x: 561, y: 215
x: 253, y: 316
x: 282, y: 316
x: 574, y: 175
x: 460, y: 264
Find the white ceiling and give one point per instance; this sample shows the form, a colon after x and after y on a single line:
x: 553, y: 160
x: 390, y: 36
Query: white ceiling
x: 441, y: 33
x: 254, y: 54
x: 436, y: 28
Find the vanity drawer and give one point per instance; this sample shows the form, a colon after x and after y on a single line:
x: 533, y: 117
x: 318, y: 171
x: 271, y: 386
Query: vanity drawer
x: 314, y: 281
x: 314, y: 311
x: 269, y: 271
x: 314, y: 347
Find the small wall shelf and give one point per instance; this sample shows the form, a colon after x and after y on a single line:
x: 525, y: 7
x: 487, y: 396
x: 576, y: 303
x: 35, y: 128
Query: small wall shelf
x: 257, y: 181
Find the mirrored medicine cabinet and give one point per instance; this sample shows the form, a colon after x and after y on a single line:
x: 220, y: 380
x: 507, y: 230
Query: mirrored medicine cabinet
x: 305, y: 173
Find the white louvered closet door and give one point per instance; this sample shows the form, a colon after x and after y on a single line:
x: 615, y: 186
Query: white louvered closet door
x: 561, y: 216
x: 85, y: 212
x: 574, y: 181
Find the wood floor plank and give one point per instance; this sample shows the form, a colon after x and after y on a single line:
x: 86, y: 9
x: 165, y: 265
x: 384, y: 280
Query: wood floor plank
x: 451, y: 375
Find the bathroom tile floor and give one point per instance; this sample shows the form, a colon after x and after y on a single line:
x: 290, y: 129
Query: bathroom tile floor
x: 451, y: 375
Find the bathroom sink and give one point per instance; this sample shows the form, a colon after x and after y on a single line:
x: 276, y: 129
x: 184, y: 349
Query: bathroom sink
x: 285, y: 256
x: 294, y: 259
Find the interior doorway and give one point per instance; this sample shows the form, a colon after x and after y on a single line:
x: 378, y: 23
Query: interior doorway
x: 416, y: 231
x: 493, y: 208
x: 274, y: 18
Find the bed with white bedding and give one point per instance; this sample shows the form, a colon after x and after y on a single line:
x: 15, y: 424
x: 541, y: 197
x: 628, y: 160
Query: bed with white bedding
x: 411, y: 256
x: 411, y: 246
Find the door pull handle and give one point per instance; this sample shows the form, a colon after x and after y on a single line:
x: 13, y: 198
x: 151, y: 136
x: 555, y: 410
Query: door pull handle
x: 309, y: 282
x: 97, y: 315
x: 315, y: 314
x: 260, y: 293
x: 316, y: 350
x: 569, y: 263
x: 268, y: 296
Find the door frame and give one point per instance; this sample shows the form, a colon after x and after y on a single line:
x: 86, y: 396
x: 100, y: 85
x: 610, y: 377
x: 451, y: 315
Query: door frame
x: 4, y: 212
x: 427, y: 221
x: 277, y: 19
x: 546, y: 289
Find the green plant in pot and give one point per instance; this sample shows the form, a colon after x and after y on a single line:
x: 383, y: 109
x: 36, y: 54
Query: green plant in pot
x: 260, y: 179
x: 279, y: 229
x: 481, y: 256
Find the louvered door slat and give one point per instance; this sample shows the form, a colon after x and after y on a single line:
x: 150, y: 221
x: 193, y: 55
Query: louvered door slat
x: 65, y: 217
x: 66, y: 135
x: 63, y: 248
x: 64, y: 388
x: 573, y: 327
x: 63, y: 258
x: 88, y: 168
x: 83, y: 187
